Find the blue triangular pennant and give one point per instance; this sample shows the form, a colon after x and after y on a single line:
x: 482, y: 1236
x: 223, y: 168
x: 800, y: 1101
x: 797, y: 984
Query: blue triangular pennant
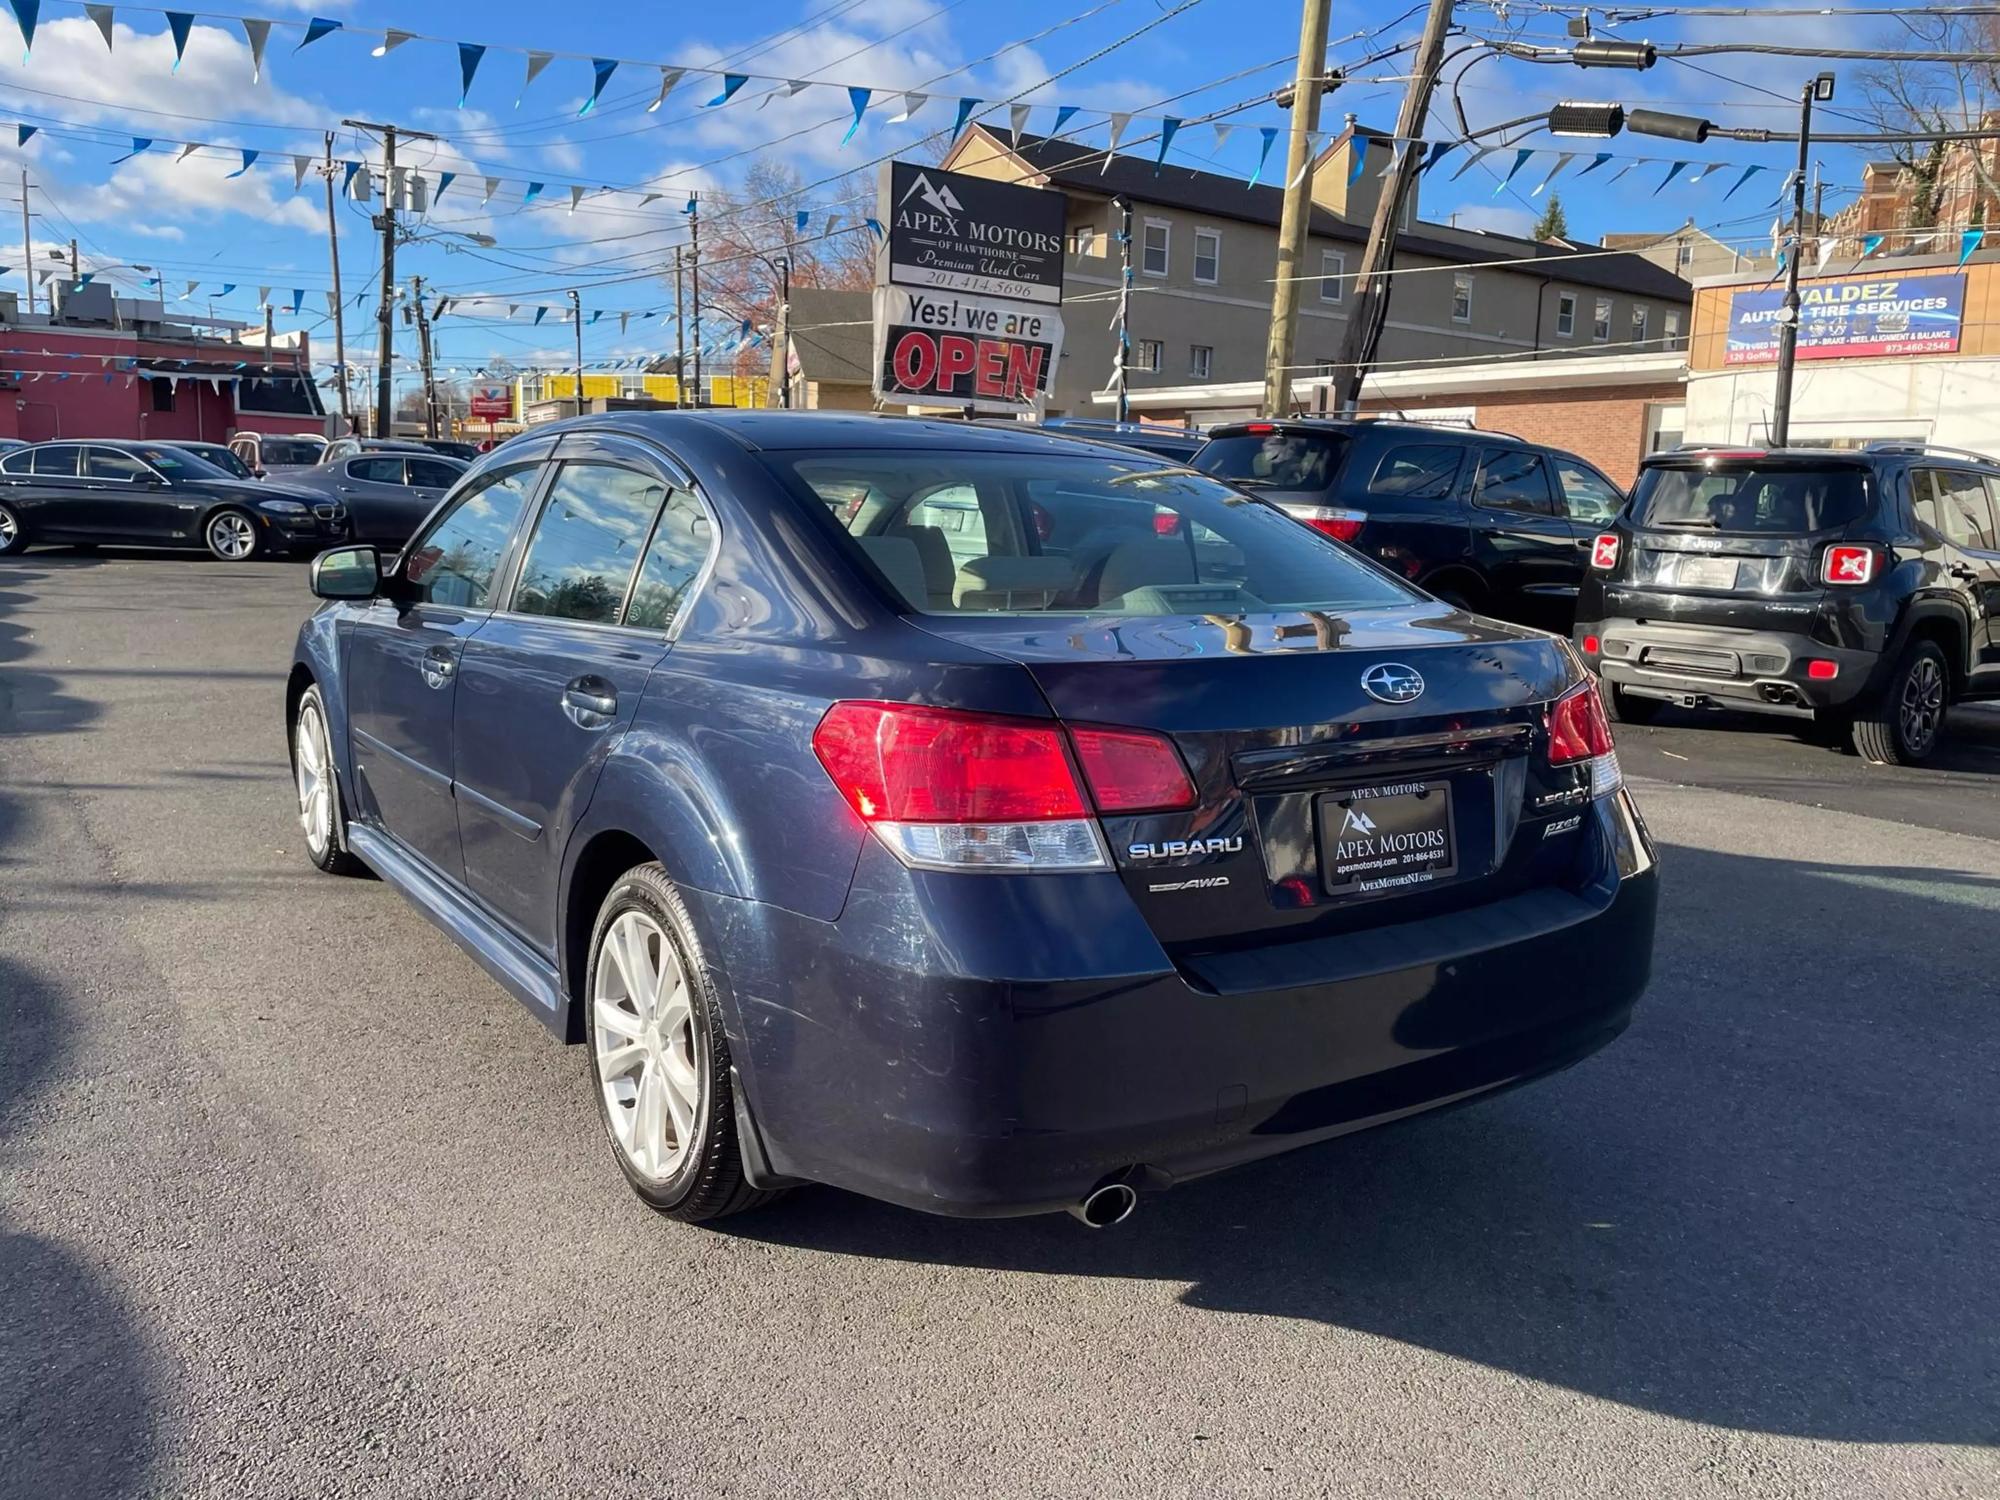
x: 1969, y: 242
x: 469, y: 54
x: 858, y: 97
x: 1437, y: 154
x: 731, y: 82
x: 1748, y: 173
x: 965, y: 109
x: 534, y: 192
x: 445, y: 180
x: 541, y: 313
x: 1672, y: 172
x: 601, y: 69
x: 1595, y: 162
x: 347, y: 177
x: 178, y: 22
x: 1168, y: 126
x: 139, y: 143
x: 799, y: 221
x: 1270, y: 134
x: 22, y: 132
x: 1064, y: 114
x: 249, y: 161
x: 316, y: 28
x: 1521, y: 155
x: 298, y: 296
x: 1870, y: 244
x: 875, y: 226
x: 25, y: 12
x: 690, y: 205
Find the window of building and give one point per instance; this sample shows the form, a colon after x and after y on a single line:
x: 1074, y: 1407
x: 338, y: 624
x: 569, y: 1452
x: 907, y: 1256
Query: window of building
x: 1670, y: 324
x: 1333, y: 276
x: 1683, y: 255
x: 1600, y: 325
x: 1201, y: 360
x: 1148, y: 354
x: 1083, y: 240
x: 163, y: 393
x: 1461, y: 297
x: 1208, y: 256
x: 1421, y: 471
x: 586, y: 545
x: 1641, y: 315
x: 456, y: 563
x: 1566, y: 315
x: 1153, y: 247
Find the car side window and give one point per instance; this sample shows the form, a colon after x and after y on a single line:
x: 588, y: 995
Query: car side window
x: 1587, y: 495
x: 1512, y: 479
x: 21, y: 461
x: 110, y: 463
x: 585, y: 547
x: 1417, y: 471
x: 376, y: 470
x: 431, y: 473
x: 456, y: 561
x: 57, y: 461
x: 1968, y: 519
x: 674, y: 559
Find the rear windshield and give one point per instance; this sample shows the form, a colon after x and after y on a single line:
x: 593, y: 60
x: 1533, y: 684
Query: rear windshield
x: 1786, y: 500
x: 290, y: 451
x: 1281, y: 460
x: 1006, y: 533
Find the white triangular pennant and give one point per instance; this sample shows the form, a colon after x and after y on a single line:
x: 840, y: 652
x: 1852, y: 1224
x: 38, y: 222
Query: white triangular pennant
x: 784, y: 91
x: 575, y: 197
x: 1314, y: 140
x: 1396, y: 152
x: 1017, y: 119
x: 263, y: 296
x: 912, y: 102
x: 536, y: 62
x: 492, y: 187
x: 188, y: 150
x: 1554, y: 172
x: 1119, y: 122
x: 391, y: 40
x: 668, y: 78
x: 257, y: 33
x: 300, y: 166
x: 1222, y: 135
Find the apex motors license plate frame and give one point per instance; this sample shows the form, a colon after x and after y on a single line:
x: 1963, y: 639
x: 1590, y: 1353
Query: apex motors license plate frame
x: 1381, y: 840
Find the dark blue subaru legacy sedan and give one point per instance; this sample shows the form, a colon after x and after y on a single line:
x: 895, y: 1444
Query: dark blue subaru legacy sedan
x: 986, y: 821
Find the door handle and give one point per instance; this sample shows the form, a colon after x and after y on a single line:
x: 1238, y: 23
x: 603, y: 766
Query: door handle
x: 590, y: 702
x: 439, y: 667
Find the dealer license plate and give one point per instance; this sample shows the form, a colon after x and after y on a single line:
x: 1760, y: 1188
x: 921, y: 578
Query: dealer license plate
x: 1382, y: 839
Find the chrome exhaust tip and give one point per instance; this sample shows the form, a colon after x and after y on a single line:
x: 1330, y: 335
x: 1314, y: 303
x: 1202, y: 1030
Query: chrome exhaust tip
x: 1104, y: 1206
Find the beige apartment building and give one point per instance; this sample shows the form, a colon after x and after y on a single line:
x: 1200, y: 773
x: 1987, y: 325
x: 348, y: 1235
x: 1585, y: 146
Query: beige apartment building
x: 1204, y: 249
x: 1691, y: 252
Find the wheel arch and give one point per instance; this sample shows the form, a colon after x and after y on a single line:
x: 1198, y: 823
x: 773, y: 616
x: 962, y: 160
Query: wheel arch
x: 1460, y: 578
x: 1945, y: 624
x: 594, y: 870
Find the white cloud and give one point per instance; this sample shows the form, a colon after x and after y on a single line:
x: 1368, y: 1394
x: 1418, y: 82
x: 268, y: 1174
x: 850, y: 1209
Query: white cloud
x: 138, y: 74
x: 200, y: 188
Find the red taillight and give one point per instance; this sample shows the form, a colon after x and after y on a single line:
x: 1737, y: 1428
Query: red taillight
x: 1822, y: 671
x: 1130, y: 770
x: 1578, y: 728
x: 1330, y: 520
x: 1591, y: 645
x: 1045, y: 524
x: 1166, y: 523
x: 1604, y: 552
x: 900, y: 763
x: 1848, y: 565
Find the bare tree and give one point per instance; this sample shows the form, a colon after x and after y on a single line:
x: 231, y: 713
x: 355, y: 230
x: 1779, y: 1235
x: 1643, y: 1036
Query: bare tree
x: 1937, y: 96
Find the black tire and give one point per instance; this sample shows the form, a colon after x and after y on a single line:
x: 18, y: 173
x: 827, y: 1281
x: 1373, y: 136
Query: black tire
x: 232, y: 523
x: 13, y: 535
x: 1624, y: 708
x: 1902, y: 725
x: 707, y: 1182
x: 326, y: 841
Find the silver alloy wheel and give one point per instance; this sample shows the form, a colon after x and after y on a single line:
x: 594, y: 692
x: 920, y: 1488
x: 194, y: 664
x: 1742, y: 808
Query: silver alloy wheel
x: 315, y: 774
x: 232, y: 536
x: 9, y: 527
x: 642, y: 1029
x: 1923, y: 704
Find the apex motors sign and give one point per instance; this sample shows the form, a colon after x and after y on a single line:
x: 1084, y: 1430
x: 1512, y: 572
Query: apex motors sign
x: 1872, y: 316
x: 951, y: 232
x: 968, y: 306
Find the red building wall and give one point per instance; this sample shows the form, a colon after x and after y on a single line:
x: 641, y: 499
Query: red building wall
x: 88, y: 405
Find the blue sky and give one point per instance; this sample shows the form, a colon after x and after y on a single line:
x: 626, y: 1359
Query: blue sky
x: 188, y: 220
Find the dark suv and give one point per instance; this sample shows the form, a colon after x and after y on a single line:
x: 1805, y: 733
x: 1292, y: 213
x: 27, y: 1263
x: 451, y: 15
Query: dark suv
x: 1483, y: 520
x: 1859, y: 588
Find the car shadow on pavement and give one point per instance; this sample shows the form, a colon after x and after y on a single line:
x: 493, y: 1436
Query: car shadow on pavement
x: 76, y: 1407
x: 1771, y: 1206
x: 31, y: 702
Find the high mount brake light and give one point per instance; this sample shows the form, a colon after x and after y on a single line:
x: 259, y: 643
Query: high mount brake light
x: 949, y: 789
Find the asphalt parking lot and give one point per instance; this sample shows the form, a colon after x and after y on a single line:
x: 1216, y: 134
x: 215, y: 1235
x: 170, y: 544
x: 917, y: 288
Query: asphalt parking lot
x: 293, y: 1201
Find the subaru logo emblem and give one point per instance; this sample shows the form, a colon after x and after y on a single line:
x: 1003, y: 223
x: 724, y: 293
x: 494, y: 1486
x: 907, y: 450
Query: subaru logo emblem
x: 1392, y: 682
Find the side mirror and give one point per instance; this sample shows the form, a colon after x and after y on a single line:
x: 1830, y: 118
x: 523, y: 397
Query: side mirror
x: 347, y: 573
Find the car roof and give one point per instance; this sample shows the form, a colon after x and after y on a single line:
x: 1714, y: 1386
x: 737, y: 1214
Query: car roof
x: 1366, y: 424
x: 783, y: 431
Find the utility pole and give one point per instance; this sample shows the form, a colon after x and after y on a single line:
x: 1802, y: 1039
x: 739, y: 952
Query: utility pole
x: 694, y: 280
x: 680, y: 337
x: 1124, y: 355
x: 385, y: 221
x: 27, y: 240
x: 1369, y: 309
x: 424, y: 355
x: 1296, y: 219
x: 267, y: 333
x: 75, y: 264
x: 339, y: 302
x: 576, y: 319
x: 1788, y: 325
x: 785, y: 329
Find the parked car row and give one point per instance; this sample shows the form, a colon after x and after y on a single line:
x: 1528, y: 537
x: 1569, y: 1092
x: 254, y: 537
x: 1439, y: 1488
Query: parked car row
x: 203, y: 495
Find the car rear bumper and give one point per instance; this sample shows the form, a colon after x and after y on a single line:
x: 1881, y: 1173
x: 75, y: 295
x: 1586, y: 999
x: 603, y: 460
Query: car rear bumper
x: 985, y: 1046
x: 1705, y: 666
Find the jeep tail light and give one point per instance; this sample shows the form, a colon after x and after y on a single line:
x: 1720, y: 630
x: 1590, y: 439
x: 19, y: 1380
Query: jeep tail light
x: 1847, y: 565
x: 1132, y: 770
x: 946, y: 789
x: 1604, y: 552
x: 1330, y: 520
x: 1579, y: 731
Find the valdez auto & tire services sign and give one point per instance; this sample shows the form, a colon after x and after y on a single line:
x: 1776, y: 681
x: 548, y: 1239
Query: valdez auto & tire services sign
x: 950, y: 232
x: 945, y: 349
x: 1855, y: 317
